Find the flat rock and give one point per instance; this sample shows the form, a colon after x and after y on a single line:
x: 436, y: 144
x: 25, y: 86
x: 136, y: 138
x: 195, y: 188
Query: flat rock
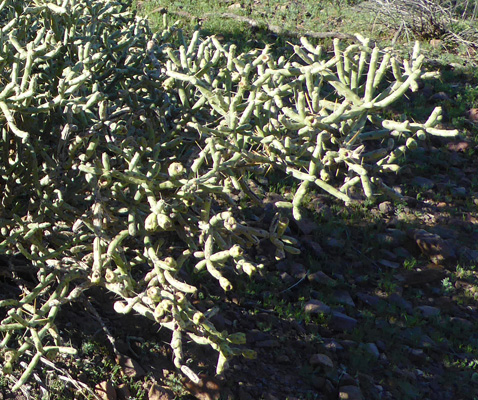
x: 431, y: 273
x: 313, y: 247
x: 332, y: 345
x: 105, y: 391
x: 370, y: 300
x: 130, y: 367
x: 423, y: 183
x: 461, y: 321
x: 316, y: 307
x: 391, y: 237
x: 468, y: 255
x: 208, y: 388
x: 343, y: 297
x: 297, y: 270
x: 389, y: 264
x: 350, y: 393
x: 321, y: 278
x: 334, y: 244
x: 433, y: 246
x: 428, y: 311
x: 342, y: 322
x: 386, y: 207
x: 400, y: 302
x: 459, y: 191
x: 321, y: 360
x: 372, y: 349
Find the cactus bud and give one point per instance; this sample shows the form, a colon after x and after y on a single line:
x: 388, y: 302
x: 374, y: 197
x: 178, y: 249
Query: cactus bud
x: 151, y: 223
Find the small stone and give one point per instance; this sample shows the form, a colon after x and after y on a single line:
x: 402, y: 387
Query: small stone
x: 461, y: 321
x: 440, y: 96
x: 386, y: 207
x: 428, y: 311
x: 458, y: 146
x: 473, y: 114
x: 350, y: 393
x: 433, y: 246
x: 105, y: 391
x: 400, y: 302
x: 282, y: 359
x: 444, y: 232
x: 332, y: 345
x: 347, y: 380
x: 316, y: 307
x: 334, y: 244
x: 312, y: 246
x: 372, y: 301
x: 392, y: 237
x: 286, y: 278
x: 207, y: 388
x: 297, y: 270
x: 423, y: 183
x: 321, y: 278
x: 389, y: 264
x: 417, y: 355
x: 402, y: 252
x: 371, y: 348
x: 255, y: 335
x: 468, y: 255
x: 343, y: 297
x: 130, y: 367
x: 123, y: 392
x: 321, y: 360
x: 459, y: 191
x: 388, y: 255
x: 342, y: 322
x: 235, y: 6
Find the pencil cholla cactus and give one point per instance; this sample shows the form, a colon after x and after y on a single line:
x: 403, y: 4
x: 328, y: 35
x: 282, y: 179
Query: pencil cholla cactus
x: 121, y: 153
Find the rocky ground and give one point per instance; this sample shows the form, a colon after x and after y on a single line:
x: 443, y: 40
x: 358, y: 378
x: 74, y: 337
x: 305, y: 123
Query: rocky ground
x: 381, y: 304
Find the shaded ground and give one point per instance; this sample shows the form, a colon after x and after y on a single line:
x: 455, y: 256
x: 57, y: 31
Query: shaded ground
x: 373, y: 306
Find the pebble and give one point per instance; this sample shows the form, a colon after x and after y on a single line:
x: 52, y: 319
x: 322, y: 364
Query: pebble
x: 433, y: 246
x: 286, y: 278
x: 428, y: 311
x: 313, y: 247
x: 282, y: 359
x: 370, y: 300
x: 255, y: 335
x: 350, y: 393
x: 461, y: 321
x: 423, y: 183
x: 297, y: 270
x: 400, y: 302
x: 386, y: 207
x: 459, y: 192
x: 321, y: 360
x: 321, y: 278
x: 371, y: 348
x: 334, y: 244
x: 468, y: 255
x: 343, y: 297
x: 332, y: 345
x: 389, y: 264
x: 316, y: 307
x: 402, y: 252
x: 342, y: 322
